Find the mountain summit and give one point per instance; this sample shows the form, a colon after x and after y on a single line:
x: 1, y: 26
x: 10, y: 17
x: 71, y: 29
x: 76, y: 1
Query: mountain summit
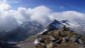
x: 55, y: 25
x: 59, y: 36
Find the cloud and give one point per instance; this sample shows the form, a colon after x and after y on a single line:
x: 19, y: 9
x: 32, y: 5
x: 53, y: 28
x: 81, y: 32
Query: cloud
x: 39, y: 14
x: 4, y: 6
x: 72, y: 16
x: 10, y: 19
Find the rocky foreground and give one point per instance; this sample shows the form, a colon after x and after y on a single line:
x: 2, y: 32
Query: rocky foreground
x: 61, y: 38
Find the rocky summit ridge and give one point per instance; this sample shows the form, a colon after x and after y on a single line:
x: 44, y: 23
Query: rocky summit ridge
x: 59, y: 38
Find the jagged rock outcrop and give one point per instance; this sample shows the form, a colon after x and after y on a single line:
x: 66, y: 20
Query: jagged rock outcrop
x: 60, y: 38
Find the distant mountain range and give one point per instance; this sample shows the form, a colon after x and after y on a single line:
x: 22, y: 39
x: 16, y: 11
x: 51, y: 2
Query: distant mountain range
x: 22, y: 32
x: 31, y: 28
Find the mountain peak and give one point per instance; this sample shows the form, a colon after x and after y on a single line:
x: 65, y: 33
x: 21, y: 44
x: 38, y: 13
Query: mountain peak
x: 61, y: 38
x: 55, y: 25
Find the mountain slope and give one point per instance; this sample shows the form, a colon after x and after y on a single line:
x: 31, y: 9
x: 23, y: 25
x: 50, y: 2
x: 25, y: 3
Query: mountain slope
x: 57, y: 35
x: 28, y: 43
x: 62, y: 38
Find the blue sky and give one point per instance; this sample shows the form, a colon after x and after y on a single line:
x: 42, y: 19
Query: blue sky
x: 15, y: 12
x: 56, y: 5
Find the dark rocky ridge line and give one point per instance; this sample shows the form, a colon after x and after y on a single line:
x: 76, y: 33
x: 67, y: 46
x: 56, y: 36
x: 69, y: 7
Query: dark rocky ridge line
x: 59, y: 38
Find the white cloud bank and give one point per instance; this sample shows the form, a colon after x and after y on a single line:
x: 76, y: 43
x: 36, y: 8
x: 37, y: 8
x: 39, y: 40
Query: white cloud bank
x: 9, y: 19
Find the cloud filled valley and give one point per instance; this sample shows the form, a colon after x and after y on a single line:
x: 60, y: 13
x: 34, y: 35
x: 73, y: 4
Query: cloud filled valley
x: 10, y: 19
